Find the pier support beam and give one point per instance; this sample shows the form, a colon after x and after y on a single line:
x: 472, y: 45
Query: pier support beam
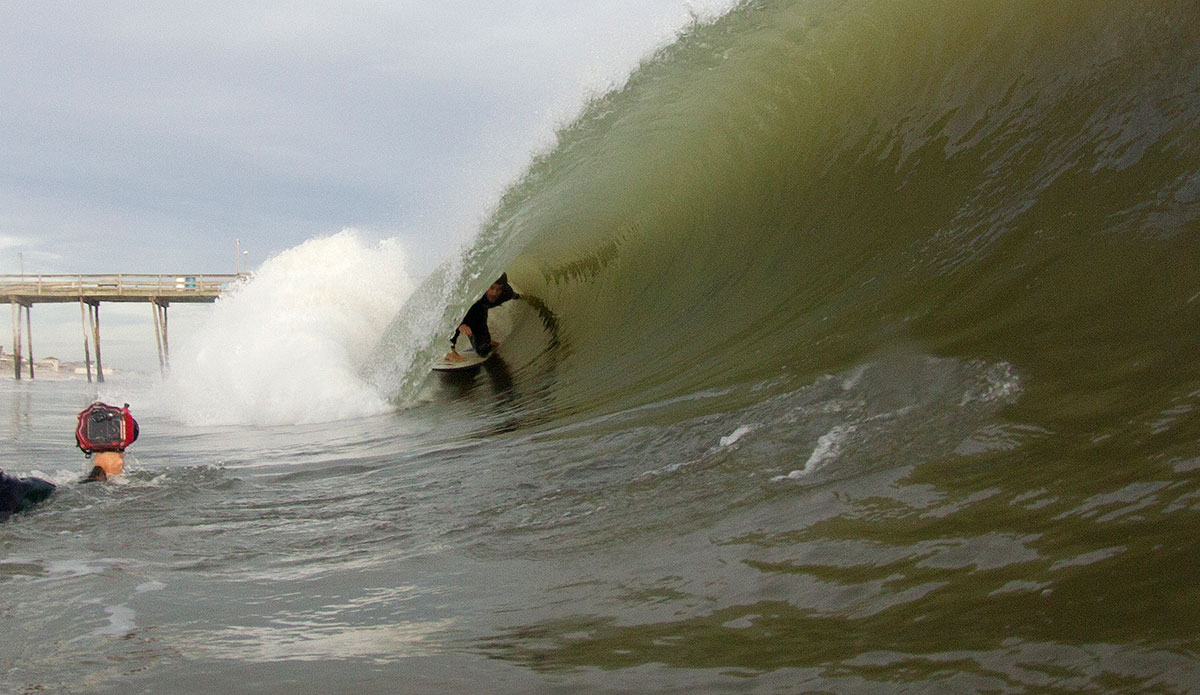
x: 94, y: 317
x: 16, y: 344
x: 29, y: 335
x: 87, y: 352
x: 18, y: 308
x: 166, y: 343
x: 159, y: 307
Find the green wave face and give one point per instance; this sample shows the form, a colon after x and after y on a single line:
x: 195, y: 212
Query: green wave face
x: 798, y: 185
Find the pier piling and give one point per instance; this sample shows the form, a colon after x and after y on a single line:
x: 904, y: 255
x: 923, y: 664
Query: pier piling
x: 160, y: 336
x: 29, y: 335
x: 94, y: 318
x: 87, y: 352
x: 22, y: 346
x: 16, y: 343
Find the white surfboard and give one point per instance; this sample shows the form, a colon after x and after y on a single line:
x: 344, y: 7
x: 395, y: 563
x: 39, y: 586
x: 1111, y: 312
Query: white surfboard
x: 470, y: 359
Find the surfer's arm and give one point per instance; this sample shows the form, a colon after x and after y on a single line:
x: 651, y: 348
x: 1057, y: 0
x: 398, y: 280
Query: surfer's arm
x: 464, y: 330
x: 476, y: 315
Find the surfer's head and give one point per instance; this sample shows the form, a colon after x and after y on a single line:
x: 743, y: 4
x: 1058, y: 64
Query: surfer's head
x: 105, y: 465
x: 494, y: 292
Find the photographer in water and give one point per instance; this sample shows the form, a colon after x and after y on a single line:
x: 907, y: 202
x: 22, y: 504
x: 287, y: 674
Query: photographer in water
x: 103, y: 433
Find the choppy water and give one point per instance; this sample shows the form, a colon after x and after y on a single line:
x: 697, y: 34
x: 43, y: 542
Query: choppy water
x: 859, y: 355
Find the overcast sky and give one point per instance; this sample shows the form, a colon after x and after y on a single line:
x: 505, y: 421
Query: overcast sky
x: 146, y: 137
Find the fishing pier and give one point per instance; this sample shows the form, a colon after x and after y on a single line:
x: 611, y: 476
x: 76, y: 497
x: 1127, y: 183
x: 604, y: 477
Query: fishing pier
x: 159, y: 291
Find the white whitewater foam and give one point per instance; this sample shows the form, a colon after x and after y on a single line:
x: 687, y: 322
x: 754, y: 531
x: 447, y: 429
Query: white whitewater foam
x: 285, y: 347
x: 829, y: 446
x: 736, y: 435
x: 120, y: 621
x: 997, y: 382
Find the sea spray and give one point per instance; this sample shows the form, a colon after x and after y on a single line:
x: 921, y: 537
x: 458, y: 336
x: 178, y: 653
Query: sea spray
x: 411, y: 339
x: 286, y: 345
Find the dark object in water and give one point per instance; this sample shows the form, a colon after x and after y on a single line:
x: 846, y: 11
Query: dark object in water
x: 19, y: 494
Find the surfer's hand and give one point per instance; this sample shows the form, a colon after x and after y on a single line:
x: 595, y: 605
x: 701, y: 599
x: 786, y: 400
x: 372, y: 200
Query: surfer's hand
x: 464, y: 330
x: 495, y: 345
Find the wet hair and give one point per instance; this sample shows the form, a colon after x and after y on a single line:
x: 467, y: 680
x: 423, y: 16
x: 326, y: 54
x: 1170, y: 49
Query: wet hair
x: 506, y: 290
x: 96, y: 476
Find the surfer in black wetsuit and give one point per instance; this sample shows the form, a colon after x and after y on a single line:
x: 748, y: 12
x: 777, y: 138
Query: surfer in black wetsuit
x: 19, y: 494
x: 474, y: 324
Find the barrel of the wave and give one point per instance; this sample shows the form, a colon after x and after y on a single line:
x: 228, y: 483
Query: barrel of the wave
x: 103, y: 434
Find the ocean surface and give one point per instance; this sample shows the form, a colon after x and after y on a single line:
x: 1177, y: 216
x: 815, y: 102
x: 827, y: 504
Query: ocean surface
x: 859, y: 353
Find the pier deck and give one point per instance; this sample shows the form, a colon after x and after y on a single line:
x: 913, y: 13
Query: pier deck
x: 49, y: 289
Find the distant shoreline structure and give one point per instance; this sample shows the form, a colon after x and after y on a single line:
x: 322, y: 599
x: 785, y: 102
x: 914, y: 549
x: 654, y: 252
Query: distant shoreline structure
x: 49, y: 368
